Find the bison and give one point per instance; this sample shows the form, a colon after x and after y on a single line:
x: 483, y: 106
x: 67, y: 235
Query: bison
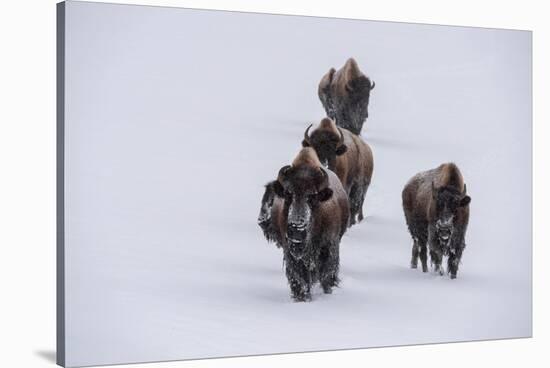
x: 437, y: 211
x: 348, y: 156
x: 309, y: 216
x: 345, y: 96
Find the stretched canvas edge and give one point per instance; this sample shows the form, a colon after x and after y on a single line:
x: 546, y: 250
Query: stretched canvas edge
x: 60, y: 185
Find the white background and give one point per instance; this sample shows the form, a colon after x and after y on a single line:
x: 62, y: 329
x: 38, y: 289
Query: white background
x: 27, y: 188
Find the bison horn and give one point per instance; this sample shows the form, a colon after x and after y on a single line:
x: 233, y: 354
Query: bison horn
x: 434, y: 192
x: 306, y: 133
x: 341, y: 137
x: 464, y: 190
x: 372, y: 85
x: 324, y: 180
x: 283, y: 172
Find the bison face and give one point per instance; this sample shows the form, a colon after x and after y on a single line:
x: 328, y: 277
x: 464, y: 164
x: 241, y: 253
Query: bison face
x: 264, y: 218
x: 302, y: 189
x: 448, y: 201
x: 327, y: 145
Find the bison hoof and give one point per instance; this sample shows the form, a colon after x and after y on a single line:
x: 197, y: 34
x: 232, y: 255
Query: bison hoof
x: 327, y: 289
x: 301, y: 298
x: 424, y: 268
x: 453, y: 276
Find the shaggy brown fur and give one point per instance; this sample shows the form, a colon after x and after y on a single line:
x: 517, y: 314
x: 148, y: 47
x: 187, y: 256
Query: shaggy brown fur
x: 345, y: 95
x: 269, y: 216
x: 307, y: 158
x: 437, y: 212
x: 348, y: 156
x: 310, y: 223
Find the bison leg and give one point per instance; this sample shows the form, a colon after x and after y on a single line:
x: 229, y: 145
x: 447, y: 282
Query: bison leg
x: 356, y: 203
x: 420, y: 250
x: 454, y: 260
x: 352, y: 206
x: 436, y: 258
x: 419, y: 232
x: 299, y: 278
x: 452, y: 265
x: 415, y: 252
x: 423, y: 252
x: 362, y: 201
x: 436, y: 253
x: 329, y: 261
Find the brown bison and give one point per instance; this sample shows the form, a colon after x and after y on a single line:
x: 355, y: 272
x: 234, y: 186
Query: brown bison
x: 348, y: 156
x: 437, y: 211
x: 345, y: 96
x: 309, y: 222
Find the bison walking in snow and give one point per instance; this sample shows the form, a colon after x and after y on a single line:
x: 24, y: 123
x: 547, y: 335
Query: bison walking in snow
x: 309, y: 216
x: 348, y: 156
x: 345, y: 96
x: 437, y: 211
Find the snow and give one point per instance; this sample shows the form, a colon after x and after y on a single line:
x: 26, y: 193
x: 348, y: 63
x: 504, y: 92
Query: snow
x: 175, y: 120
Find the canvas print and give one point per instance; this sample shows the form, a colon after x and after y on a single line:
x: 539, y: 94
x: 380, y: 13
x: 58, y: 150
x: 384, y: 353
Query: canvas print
x: 239, y: 184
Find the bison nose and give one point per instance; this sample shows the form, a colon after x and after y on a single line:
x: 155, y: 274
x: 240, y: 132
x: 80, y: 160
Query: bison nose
x: 296, y: 232
x: 445, y: 232
x: 299, y: 225
x: 443, y: 225
x: 446, y: 221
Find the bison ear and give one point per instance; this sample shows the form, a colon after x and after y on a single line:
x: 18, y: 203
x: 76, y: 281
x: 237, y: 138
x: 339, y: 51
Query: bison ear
x: 278, y: 189
x: 341, y: 150
x: 324, y: 195
x: 360, y: 84
x: 327, y: 79
x: 305, y: 143
x: 465, y: 201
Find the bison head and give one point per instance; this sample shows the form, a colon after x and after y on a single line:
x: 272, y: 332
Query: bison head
x: 302, y: 189
x: 448, y: 200
x: 327, y: 144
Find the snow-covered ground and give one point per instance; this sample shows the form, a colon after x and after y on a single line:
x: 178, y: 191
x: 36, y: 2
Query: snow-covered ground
x: 176, y: 118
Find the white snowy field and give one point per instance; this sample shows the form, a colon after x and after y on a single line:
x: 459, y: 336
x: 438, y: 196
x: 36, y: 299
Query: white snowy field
x: 175, y: 119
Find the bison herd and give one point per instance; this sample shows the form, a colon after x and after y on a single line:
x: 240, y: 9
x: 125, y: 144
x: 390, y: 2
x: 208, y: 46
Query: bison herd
x: 307, y: 209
